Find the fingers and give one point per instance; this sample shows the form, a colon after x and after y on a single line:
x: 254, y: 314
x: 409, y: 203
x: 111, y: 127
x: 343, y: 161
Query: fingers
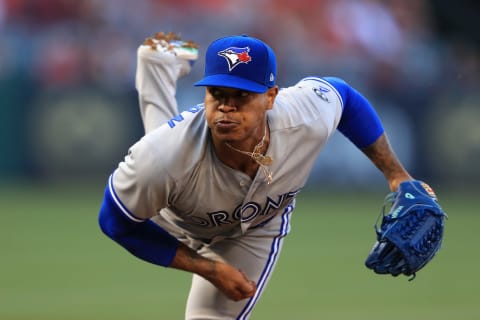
x: 245, y: 276
x: 243, y: 288
x: 250, y: 286
x: 159, y: 36
x: 235, y: 283
x: 167, y: 40
x: 243, y: 293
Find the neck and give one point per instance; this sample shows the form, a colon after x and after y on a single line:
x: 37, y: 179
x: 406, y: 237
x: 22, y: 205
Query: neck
x: 258, y: 142
x: 249, y: 160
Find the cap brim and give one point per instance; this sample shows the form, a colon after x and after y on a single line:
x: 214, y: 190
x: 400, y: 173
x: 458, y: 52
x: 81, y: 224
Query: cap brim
x: 229, y: 81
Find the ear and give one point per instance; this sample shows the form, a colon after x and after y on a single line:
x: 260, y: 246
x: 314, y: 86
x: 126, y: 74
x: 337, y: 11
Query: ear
x: 270, y: 95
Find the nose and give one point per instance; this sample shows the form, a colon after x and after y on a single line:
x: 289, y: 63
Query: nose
x: 228, y: 104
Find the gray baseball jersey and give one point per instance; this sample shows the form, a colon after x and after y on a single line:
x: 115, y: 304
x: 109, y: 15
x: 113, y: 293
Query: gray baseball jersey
x: 174, y: 170
x: 173, y: 177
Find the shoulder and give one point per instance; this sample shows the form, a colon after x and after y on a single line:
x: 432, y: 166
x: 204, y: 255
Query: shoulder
x: 337, y: 85
x: 180, y: 143
x: 171, y: 150
x: 310, y: 101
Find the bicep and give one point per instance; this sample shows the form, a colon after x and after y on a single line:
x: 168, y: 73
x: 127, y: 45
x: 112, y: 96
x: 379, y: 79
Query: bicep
x: 360, y: 122
x: 140, y: 183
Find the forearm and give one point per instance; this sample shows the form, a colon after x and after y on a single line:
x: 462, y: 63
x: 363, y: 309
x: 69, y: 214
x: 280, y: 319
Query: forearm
x: 155, y: 81
x: 148, y: 241
x: 232, y: 282
x: 187, y: 259
x: 361, y: 125
x: 161, y: 61
x: 384, y: 158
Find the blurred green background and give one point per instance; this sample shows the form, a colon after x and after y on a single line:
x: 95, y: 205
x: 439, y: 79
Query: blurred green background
x: 68, y: 113
x: 56, y: 264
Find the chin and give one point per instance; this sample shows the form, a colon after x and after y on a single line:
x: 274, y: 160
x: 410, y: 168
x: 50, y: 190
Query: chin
x: 226, y: 137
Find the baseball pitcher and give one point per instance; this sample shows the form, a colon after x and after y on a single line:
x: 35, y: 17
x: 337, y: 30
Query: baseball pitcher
x: 211, y: 190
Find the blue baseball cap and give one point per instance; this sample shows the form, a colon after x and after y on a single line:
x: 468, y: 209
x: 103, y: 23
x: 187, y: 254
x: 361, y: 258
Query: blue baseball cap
x: 240, y: 62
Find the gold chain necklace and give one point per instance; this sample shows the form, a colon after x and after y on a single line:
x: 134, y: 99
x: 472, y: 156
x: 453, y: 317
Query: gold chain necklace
x: 261, y: 159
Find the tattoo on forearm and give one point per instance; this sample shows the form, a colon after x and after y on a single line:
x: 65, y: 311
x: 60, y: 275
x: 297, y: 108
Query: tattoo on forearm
x: 191, y: 256
x: 213, y: 267
x: 382, y: 155
x: 193, y: 262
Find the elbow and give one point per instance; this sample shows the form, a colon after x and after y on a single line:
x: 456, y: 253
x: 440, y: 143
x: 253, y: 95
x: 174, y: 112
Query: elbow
x: 104, y: 225
x: 107, y: 224
x: 112, y: 222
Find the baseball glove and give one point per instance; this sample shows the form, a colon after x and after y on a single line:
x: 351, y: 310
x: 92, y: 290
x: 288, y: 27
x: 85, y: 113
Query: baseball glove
x: 410, y: 234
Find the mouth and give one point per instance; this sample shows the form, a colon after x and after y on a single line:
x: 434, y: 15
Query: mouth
x: 225, y: 124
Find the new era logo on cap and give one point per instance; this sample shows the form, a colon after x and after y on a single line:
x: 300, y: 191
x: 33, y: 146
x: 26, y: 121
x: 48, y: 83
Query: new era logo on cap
x: 235, y: 56
x: 240, y: 62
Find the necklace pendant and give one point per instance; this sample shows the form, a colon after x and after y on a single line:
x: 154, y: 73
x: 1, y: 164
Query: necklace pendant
x: 269, y: 178
x: 262, y: 160
x: 266, y: 160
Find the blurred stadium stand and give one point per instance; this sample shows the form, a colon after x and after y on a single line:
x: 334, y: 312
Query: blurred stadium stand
x: 68, y: 104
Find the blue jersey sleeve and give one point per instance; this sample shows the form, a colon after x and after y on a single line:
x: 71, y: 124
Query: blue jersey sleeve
x: 145, y: 240
x: 359, y: 122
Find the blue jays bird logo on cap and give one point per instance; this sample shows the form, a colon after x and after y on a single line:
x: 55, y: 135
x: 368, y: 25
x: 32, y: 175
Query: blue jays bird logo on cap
x: 235, y: 56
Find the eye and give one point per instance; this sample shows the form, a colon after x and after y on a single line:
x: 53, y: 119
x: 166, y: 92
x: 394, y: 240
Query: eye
x: 215, y: 92
x: 243, y: 94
